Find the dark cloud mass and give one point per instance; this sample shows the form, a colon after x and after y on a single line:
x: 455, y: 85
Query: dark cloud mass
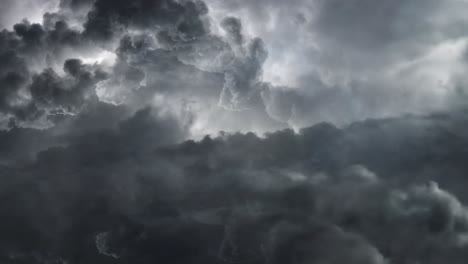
x: 249, y: 132
x: 107, y: 17
x: 366, y: 193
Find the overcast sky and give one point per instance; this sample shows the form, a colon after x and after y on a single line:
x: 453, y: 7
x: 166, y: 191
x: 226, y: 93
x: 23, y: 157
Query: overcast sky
x: 233, y: 131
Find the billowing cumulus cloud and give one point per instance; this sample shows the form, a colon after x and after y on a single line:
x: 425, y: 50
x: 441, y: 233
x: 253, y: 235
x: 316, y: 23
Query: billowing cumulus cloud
x: 250, y: 132
x: 406, y: 51
x: 373, y: 192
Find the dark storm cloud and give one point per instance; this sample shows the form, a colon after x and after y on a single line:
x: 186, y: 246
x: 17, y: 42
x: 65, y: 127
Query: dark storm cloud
x: 362, y: 194
x: 183, y: 30
x: 174, y: 45
x: 107, y: 17
x: 112, y: 177
x: 130, y: 139
x: 50, y: 90
x: 13, y: 75
x: 31, y: 39
x: 32, y: 44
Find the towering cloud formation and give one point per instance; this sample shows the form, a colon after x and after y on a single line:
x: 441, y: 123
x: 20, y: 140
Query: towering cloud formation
x: 105, y: 107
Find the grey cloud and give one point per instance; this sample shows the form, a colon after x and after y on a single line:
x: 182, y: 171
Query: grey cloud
x: 76, y: 4
x: 106, y: 17
x: 13, y: 76
x: 233, y: 27
x: 318, y: 101
x: 243, y: 76
x: 361, y: 194
x: 406, y: 26
x: 360, y: 52
x: 14, y: 11
x: 240, y: 64
x: 188, y: 48
x: 36, y: 41
x: 368, y: 25
x: 50, y: 90
x: 115, y: 180
x: 339, y: 99
x: 51, y: 94
x: 26, y: 46
x: 192, y: 74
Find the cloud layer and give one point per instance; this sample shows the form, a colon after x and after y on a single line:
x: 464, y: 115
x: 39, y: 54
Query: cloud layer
x: 288, y: 66
x: 179, y: 131
x: 373, y: 192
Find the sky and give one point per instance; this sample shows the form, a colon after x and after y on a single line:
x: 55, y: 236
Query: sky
x: 239, y: 132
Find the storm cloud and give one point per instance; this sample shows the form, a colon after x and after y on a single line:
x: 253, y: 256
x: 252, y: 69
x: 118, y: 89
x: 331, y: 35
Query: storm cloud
x: 262, y: 132
x: 373, y: 192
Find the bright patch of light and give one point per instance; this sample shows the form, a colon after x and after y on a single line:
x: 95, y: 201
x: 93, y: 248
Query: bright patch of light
x: 105, y: 58
x: 437, y: 67
x: 32, y: 10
